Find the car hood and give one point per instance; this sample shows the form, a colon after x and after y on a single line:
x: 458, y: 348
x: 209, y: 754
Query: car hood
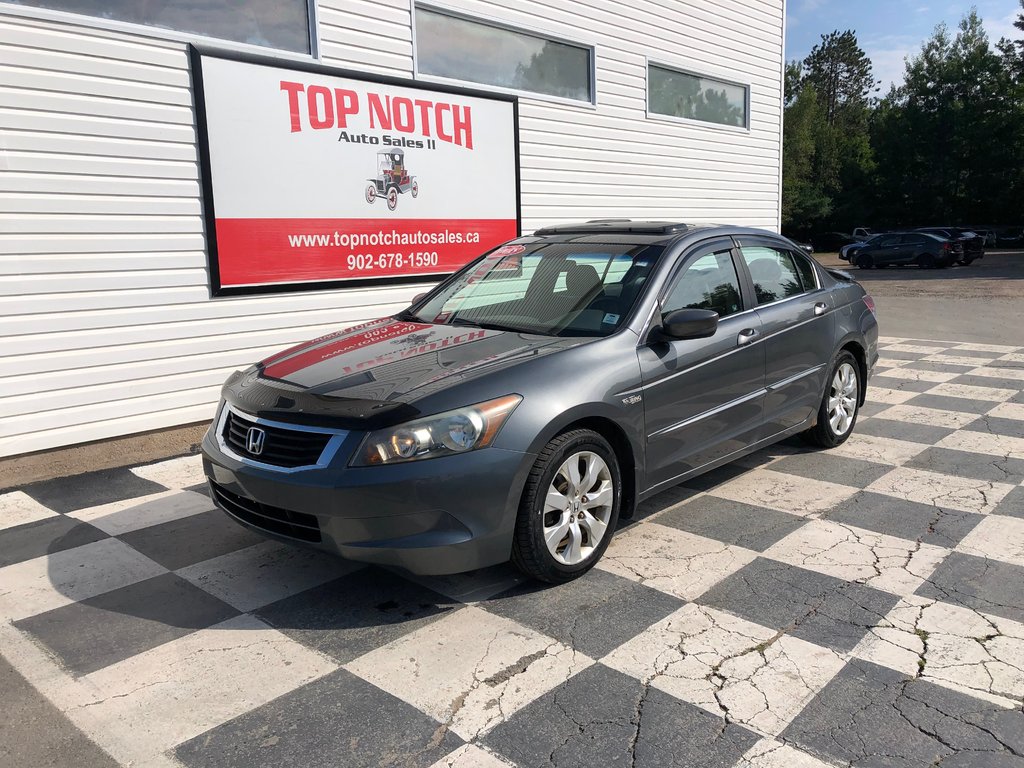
x: 374, y: 374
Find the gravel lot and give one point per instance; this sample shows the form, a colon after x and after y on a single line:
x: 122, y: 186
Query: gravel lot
x: 980, y: 303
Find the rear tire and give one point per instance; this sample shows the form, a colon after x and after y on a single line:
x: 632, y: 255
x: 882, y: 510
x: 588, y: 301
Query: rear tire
x: 569, y: 508
x: 837, y: 414
x: 966, y: 261
x: 865, y: 262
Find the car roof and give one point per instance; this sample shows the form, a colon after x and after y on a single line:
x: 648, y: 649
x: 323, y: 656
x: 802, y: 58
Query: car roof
x: 643, y: 231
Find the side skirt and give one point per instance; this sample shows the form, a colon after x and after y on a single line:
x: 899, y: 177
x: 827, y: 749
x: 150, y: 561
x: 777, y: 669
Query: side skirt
x: 653, y: 490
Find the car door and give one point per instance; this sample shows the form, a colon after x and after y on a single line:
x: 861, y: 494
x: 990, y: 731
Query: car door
x: 702, y: 397
x: 797, y: 327
x: 912, y: 247
x: 887, y: 250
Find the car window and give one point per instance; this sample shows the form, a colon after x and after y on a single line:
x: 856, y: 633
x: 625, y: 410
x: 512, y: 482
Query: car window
x: 610, y: 270
x: 557, y: 289
x: 773, y: 272
x: 803, y: 266
x: 708, y: 283
x: 889, y: 240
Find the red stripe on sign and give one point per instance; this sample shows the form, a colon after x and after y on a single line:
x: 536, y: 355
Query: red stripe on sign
x: 264, y: 251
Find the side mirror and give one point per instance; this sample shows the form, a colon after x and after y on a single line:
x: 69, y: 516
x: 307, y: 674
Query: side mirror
x: 689, y: 324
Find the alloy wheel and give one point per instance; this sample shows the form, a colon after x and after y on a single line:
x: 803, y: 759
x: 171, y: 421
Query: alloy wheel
x: 578, y: 507
x: 842, y: 401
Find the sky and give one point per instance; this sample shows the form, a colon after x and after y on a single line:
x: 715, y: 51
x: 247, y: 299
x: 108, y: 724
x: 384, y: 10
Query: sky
x: 889, y: 30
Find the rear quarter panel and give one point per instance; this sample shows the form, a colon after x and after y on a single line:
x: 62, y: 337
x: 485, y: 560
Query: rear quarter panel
x: 854, y: 321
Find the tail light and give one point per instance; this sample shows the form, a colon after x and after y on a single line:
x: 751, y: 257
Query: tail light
x: 869, y: 303
x: 947, y: 247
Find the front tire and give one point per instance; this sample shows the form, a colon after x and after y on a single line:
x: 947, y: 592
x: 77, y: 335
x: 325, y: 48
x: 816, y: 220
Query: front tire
x: 569, y: 508
x: 838, y: 411
x: 392, y: 198
x: 865, y: 262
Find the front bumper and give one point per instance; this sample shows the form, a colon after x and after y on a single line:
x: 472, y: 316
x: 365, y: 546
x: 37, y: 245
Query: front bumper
x: 437, y: 516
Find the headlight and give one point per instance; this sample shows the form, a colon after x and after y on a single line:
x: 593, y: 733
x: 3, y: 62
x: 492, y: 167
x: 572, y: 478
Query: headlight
x: 458, y: 431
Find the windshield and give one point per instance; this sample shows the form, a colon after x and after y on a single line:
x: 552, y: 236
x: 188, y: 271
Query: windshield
x: 554, y: 289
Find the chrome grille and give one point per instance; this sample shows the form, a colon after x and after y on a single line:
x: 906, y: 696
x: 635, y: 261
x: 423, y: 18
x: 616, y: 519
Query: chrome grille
x: 282, y: 447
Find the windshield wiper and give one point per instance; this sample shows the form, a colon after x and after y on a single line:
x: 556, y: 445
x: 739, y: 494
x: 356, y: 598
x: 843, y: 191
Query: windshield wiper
x: 486, y: 325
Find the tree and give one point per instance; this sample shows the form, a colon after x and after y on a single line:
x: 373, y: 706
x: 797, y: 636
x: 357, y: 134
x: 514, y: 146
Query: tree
x: 942, y: 134
x: 946, y: 146
x: 827, y: 157
x: 804, y: 200
x: 841, y: 74
x: 1013, y: 50
x: 792, y: 80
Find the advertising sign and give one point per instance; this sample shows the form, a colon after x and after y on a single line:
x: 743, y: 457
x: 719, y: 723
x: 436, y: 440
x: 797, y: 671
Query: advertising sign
x: 314, y: 177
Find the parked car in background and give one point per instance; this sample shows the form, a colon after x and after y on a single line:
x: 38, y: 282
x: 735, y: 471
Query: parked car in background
x: 831, y: 242
x: 988, y: 235
x: 847, y: 252
x: 906, y: 248
x: 805, y: 247
x: 521, y: 406
x: 863, y: 233
x: 1010, y: 238
x: 972, y: 243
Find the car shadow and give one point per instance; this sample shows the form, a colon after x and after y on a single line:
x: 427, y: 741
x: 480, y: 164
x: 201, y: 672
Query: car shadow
x: 101, y: 586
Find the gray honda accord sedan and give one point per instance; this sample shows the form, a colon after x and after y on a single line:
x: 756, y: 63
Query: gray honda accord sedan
x: 525, y: 404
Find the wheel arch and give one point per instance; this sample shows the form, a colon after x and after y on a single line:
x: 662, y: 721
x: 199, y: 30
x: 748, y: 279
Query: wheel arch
x: 625, y: 450
x: 855, y: 348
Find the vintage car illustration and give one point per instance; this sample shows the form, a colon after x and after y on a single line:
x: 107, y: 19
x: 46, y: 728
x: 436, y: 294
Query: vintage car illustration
x: 392, y: 178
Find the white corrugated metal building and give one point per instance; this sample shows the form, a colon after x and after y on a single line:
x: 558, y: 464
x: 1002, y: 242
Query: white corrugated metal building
x: 107, y: 325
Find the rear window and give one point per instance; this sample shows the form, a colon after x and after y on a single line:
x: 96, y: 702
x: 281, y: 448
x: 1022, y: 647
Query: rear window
x: 806, y: 270
x: 773, y: 271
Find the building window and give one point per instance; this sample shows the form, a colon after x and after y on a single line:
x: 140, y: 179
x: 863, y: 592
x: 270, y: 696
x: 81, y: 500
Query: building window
x: 695, y: 97
x: 281, y: 24
x: 463, y: 49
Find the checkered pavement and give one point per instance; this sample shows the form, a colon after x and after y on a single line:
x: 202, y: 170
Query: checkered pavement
x: 861, y: 606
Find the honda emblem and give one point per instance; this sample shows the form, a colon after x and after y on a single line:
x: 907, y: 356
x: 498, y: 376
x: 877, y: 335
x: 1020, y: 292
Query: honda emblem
x: 254, y: 440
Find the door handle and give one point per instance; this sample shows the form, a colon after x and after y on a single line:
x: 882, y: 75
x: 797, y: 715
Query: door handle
x: 820, y: 308
x: 746, y: 336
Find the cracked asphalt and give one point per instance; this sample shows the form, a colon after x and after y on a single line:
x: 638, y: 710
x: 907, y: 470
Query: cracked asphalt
x: 797, y: 609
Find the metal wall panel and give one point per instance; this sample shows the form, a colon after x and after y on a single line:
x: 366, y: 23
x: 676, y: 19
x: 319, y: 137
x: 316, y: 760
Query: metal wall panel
x: 106, y: 325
